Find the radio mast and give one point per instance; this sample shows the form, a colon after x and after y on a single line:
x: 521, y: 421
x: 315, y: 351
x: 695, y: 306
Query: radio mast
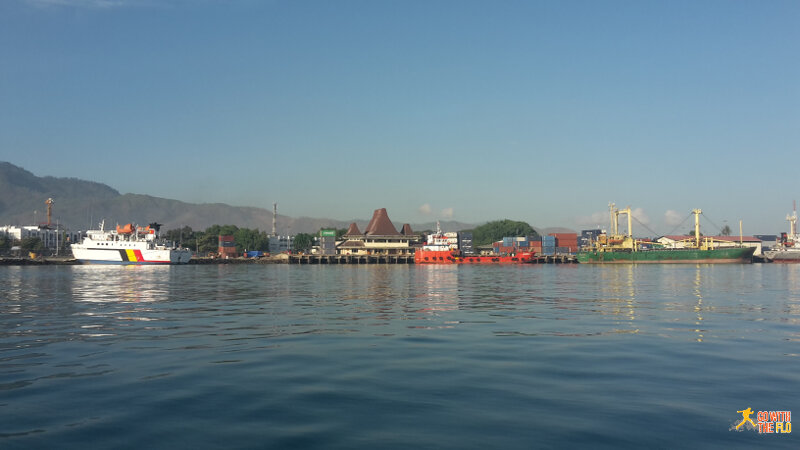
x: 274, y: 219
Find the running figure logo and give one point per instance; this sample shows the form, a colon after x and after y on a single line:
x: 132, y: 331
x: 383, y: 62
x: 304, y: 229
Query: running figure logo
x: 746, y: 417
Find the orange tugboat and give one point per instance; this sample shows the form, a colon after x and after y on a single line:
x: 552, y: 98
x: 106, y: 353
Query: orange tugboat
x: 438, y: 250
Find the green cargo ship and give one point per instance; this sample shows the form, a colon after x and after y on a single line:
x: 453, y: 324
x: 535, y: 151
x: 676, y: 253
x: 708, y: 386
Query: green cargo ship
x: 664, y: 255
x: 618, y: 248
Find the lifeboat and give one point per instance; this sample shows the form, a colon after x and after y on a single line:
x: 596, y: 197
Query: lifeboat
x: 127, y: 229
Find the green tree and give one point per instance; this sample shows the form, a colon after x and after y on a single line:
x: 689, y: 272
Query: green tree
x: 206, y: 242
x: 5, y: 243
x: 247, y: 239
x: 303, y: 242
x: 498, y: 229
x: 184, y: 236
x: 32, y: 244
x: 725, y: 231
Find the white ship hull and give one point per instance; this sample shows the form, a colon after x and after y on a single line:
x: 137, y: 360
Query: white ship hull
x: 128, y: 245
x: 131, y: 256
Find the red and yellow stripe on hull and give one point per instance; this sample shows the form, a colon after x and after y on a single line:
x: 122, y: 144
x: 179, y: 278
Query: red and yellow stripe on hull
x: 133, y: 255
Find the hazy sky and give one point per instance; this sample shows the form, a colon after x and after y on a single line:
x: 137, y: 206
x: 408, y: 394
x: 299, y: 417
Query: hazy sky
x: 542, y: 111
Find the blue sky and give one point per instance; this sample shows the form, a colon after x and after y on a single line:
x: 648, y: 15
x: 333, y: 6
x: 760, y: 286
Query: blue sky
x: 539, y: 111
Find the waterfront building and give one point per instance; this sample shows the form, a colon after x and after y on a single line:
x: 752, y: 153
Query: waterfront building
x: 768, y: 240
x: 280, y: 244
x: 51, y: 237
x: 379, y: 238
x: 327, y: 242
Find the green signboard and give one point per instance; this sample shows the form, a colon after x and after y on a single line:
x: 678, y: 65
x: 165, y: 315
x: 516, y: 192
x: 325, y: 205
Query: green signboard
x: 327, y: 233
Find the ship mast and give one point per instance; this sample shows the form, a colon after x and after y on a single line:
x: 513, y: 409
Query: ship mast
x: 626, y: 240
x: 612, y: 227
x: 697, y: 213
x: 627, y: 211
x: 793, y: 222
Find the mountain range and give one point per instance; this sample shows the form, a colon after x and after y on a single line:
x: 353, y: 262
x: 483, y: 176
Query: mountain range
x: 80, y: 205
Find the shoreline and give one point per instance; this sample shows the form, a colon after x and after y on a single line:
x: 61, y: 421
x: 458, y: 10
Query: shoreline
x: 70, y: 261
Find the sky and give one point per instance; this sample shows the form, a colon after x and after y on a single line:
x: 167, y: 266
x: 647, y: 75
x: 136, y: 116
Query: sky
x: 540, y: 111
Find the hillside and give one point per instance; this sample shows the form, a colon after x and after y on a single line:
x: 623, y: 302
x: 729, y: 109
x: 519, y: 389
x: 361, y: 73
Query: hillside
x: 81, y: 204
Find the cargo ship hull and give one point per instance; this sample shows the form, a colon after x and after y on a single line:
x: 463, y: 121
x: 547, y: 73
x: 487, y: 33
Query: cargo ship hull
x: 449, y: 257
x: 783, y: 256
x: 734, y: 255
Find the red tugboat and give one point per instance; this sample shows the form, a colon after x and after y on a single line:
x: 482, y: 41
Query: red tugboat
x: 438, y: 250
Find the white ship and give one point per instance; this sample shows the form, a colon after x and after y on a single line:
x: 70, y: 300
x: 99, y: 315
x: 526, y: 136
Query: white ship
x: 789, y: 246
x: 128, y: 245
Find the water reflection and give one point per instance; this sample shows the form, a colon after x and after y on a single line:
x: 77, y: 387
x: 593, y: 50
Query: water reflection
x: 699, y: 305
x: 118, y: 294
x: 618, y: 286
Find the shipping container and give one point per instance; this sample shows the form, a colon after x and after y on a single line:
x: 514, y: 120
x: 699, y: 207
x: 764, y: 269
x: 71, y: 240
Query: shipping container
x: 565, y: 235
x: 566, y: 243
x: 226, y: 241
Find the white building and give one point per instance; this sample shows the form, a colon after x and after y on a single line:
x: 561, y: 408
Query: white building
x: 280, y: 244
x: 51, y: 238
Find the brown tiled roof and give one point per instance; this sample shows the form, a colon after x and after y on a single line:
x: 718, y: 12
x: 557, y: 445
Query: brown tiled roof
x: 353, y: 244
x: 353, y: 230
x: 406, y: 231
x: 380, y: 225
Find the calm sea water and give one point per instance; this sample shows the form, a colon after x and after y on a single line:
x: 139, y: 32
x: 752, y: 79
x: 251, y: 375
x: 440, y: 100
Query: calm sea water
x: 366, y: 357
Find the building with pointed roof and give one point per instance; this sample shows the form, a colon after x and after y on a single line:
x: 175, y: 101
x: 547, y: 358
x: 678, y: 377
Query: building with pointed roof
x: 379, y: 238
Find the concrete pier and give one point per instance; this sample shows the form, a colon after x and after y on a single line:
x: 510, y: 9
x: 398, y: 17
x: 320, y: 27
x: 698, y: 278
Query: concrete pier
x: 393, y: 259
x: 350, y: 259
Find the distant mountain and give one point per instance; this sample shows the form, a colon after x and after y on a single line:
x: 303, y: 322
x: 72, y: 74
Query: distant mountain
x: 80, y: 204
